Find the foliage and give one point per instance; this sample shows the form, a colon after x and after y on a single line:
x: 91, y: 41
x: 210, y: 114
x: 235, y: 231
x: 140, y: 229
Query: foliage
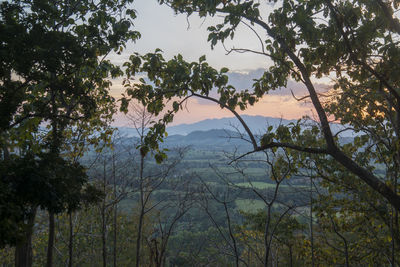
x: 353, y: 219
x: 54, y: 74
x: 287, y: 237
x: 304, y: 48
x: 189, y: 248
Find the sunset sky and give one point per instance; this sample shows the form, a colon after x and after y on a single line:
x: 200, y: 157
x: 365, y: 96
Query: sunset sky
x: 177, y: 34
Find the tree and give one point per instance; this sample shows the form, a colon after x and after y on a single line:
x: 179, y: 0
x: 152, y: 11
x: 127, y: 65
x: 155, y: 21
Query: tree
x: 280, y: 167
x: 286, y: 236
x: 150, y: 179
x: 356, y: 46
x: 357, y: 229
x: 229, y: 246
x: 53, y: 73
x: 141, y: 120
x: 174, y: 206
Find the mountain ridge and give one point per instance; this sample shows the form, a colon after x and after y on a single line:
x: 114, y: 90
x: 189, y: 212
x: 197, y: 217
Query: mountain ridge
x: 257, y: 124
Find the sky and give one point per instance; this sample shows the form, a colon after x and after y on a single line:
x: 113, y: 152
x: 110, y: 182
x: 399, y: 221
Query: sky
x: 178, y: 34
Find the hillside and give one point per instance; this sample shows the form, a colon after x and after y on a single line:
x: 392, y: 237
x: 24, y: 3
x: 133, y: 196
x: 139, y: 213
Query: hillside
x: 257, y: 124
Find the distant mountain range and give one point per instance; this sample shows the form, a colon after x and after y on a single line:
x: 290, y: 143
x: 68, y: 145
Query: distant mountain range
x: 219, y: 134
x: 213, y: 140
x: 216, y: 139
x: 257, y: 124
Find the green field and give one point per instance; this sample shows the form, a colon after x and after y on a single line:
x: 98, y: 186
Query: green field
x: 258, y: 185
x: 250, y: 205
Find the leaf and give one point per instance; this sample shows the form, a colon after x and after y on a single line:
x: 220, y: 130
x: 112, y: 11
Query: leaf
x: 224, y: 70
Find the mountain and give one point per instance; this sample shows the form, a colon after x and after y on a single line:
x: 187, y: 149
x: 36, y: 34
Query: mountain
x: 213, y: 140
x: 257, y: 124
x: 216, y: 139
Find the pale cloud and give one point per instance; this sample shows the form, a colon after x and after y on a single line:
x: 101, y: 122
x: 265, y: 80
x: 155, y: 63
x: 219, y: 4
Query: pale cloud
x: 245, y: 79
x: 117, y: 88
x: 178, y: 34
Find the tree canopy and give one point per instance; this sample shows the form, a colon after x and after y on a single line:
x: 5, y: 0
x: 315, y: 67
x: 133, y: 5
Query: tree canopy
x: 54, y: 85
x: 352, y: 43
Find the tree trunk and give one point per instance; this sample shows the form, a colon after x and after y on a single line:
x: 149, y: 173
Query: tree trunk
x: 311, y: 225
x: 394, y: 223
x: 103, y: 219
x: 267, y: 244
x: 142, y: 210
x: 70, y: 241
x: 54, y: 149
x: 50, y: 243
x: 139, y: 237
x: 23, y: 250
x: 103, y: 238
x: 115, y: 215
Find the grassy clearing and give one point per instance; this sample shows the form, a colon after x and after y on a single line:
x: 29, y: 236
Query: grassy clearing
x: 259, y: 185
x: 249, y: 205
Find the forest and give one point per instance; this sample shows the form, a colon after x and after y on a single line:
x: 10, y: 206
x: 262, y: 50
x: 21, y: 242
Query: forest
x: 320, y: 190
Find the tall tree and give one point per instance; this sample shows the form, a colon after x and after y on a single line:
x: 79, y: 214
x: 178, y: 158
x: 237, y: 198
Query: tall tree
x: 53, y: 73
x: 149, y: 180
